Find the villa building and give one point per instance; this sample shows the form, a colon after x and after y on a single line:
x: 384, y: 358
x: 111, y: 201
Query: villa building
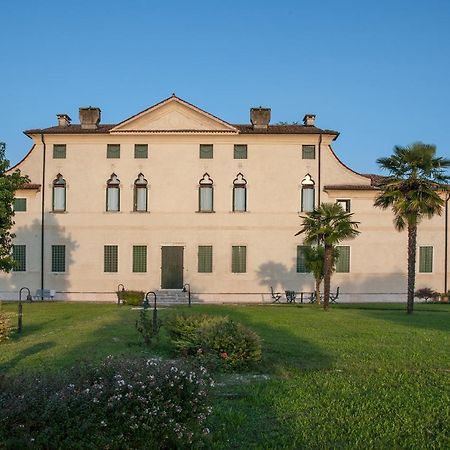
x: 175, y: 195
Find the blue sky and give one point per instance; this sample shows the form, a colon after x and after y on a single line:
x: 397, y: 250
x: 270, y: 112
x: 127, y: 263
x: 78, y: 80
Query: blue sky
x: 377, y: 71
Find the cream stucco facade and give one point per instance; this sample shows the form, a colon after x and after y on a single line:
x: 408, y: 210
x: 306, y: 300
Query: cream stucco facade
x: 173, y: 131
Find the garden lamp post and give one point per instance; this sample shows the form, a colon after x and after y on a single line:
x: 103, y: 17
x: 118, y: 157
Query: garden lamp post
x: 187, y: 288
x: 120, y: 291
x: 20, y: 311
x: 155, y: 311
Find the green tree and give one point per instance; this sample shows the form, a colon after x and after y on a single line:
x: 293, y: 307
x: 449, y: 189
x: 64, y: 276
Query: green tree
x: 328, y: 225
x: 413, y: 191
x: 9, y: 183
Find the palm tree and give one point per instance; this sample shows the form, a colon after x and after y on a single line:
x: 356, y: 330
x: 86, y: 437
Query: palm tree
x: 314, y: 263
x: 328, y: 225
x: 412, y: 190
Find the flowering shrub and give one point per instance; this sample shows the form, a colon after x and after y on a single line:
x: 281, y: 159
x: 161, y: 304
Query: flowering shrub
x: 217, y: 336
x: 5, y: 327
x: 118, y: 404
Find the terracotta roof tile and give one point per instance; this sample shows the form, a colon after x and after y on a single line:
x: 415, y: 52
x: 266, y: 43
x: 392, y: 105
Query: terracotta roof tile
x: 349, y: 187
x: 31, y: 186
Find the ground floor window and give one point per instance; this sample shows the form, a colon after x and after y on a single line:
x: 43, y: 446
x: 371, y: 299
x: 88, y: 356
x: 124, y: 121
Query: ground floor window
x: 19, y: 255
x: 301, y: 259
x: 110, y: 258
x: 239, y: 259
x: 343, y: 259
x: 139, y: 258
x: 205, y: 258
x: 58, y: 258
x: 426, y: 259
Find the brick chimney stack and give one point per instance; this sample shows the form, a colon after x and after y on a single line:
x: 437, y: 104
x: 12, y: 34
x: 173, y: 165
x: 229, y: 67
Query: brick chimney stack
x: 63, y: 120
x: 260, y: 118
x: 90, y: 117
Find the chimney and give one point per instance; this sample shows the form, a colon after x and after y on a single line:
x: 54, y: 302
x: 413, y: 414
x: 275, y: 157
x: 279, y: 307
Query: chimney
x: 309, y: 120
x: 63, y: 120
x: 90, y: 117
x: 260, y: 118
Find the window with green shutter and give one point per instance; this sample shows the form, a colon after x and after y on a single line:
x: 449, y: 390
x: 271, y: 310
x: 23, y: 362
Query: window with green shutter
x: 139, y: 258
x: 239, y: 259
x: 20, y: 204
x: 308, y: 152
x: 110, y: 258
x: 58, y: 258
x: 240, y: 151
x: 59, y: 151
x: 426, y: 259
x: 113, y: 151
x: 205, y: 258
x: 301, y: 267
x: 343, y: 260
x: 141, y: 151
x: 19, y: 254
x: 206, y: 151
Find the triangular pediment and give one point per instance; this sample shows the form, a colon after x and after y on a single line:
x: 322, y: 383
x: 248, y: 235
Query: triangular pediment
x: 173, y: 115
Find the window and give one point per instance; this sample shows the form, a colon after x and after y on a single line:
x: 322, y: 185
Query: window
x: 426, y: 259
x: 19, y: 254
x: 240, y: 151
x: 239, y: 259
x: 20, y: 204
x: 345, y: 204
x: 110, y: 258
x: 113, y: 193
x: 206, y: 151
x: 307, y: 194
x: 59, y: 194
x: 139, y: 258
x: 308, y: 152
x: 205, y: 200
x: 205, y: 258
x: 113, y: 151
x: 59, y: 151
x: 140, y: 151
x: 58, y: 258
x: 343, y: 259
x: 301, y: 266
x: 240, y: 193
x: 140, y: 193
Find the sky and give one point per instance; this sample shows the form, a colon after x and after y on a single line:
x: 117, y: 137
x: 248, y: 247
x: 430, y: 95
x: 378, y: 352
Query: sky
x: 377, y: 71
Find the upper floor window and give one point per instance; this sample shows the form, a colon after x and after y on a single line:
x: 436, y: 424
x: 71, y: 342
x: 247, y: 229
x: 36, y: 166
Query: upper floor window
x: 308, y: 152
x: 113, y: 193
x: 140, y: 193
x: 59, y: 151
x: 20, y: 204
x: 141, y: 151
x: 59, y: 194
x: 113, y: 151
x: 205, y: 198
x: 240, y: 151
x: 206, y: 151
x: 240, y: 193
x: 307, y: 194
x: 345, y: 203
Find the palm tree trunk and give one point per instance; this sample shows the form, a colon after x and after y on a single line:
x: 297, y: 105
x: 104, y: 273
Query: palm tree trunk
x: 327, y: 265
x: 412, y: 242
x: 318, y: 281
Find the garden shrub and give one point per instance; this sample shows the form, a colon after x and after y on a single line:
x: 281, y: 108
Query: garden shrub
x: 214, y: 336
x: 426, y: 294
x: 117, y: 404
x: 5, y: 327
x: 145, y: 326
x: 133, y: 298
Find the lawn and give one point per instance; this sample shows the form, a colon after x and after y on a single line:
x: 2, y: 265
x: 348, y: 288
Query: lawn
x: 364, y: 376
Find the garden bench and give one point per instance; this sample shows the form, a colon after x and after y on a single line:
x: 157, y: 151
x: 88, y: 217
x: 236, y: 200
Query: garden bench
x: 48, y: 294
x: 275, y: 296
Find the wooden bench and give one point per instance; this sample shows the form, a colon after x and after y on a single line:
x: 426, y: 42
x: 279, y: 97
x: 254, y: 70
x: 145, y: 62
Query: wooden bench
x: 48, y: 294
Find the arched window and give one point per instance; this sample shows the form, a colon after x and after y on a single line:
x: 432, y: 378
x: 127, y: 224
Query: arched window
x: 205, y: 194
x: 113, y: 193
x: 140, y: 193
x: 240, y: 193
x: 307, y: 194
x: 59, y: 193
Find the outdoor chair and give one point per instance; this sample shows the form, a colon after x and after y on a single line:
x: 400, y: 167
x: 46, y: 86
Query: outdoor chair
x: 334, y: 297
x: 290, y: 296
x: 275, y: 296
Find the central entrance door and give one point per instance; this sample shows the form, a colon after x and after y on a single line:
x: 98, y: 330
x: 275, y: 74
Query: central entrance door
x: 172, y: 267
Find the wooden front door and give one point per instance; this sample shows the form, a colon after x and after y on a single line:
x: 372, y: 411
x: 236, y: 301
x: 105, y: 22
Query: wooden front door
x: 172, y: 267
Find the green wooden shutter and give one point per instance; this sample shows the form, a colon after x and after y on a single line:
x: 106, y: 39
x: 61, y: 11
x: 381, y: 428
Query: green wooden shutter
x: 426, y: 259
x: 19, y: 254
x: 240, y: 151
x: 141, y: 151
x: 206, y: 151
x: 139, y: 258
x: 20, y: 204
x: 343, y: 260
x: 113, y: 151
x: 111, y: 263
x: 239, y: 259
x: 301, y: 267
x: 59, y: 151
x: 308, y: 152
x: 205, y: 258
x: 58, y: 258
